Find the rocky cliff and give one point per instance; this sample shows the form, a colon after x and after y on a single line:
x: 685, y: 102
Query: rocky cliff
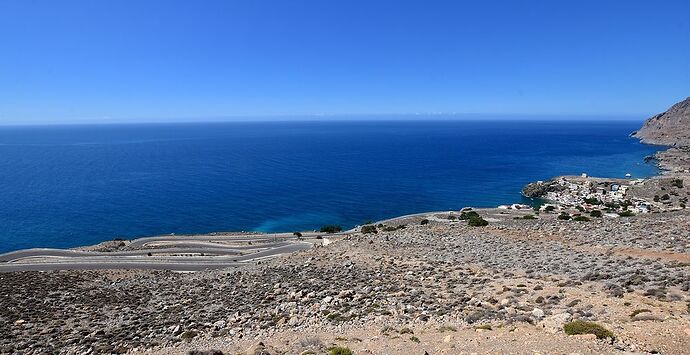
x: 670, y: 128
x: 540, y: 188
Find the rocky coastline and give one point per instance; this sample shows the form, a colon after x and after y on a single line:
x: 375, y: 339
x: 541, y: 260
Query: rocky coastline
x: 434, y: 283
x: 671, y: 129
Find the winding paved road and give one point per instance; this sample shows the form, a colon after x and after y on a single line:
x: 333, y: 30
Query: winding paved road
x: 173, y: 252
x: 180, y: 253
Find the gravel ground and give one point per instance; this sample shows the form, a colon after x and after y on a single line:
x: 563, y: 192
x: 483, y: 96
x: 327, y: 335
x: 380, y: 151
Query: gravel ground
x: 523, y: 278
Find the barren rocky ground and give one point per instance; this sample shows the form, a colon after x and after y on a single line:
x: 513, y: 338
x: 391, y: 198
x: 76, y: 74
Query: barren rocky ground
x: 443, y: 287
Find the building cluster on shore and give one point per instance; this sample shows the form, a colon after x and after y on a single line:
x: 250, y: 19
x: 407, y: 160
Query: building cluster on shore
x: 610, y: 197
x: 588, y: 194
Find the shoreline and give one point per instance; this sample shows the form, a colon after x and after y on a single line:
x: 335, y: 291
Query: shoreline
x: 442, y: 184
x: 107, y: 245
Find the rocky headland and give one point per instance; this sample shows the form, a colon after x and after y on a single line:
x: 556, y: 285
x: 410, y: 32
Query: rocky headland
x: 670, y: 128
x: 504, y: 280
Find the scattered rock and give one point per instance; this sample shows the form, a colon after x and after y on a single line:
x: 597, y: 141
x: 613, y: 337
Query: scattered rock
x: 554, y: 324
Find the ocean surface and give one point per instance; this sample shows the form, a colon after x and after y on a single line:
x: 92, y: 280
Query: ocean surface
x: 65, y: 186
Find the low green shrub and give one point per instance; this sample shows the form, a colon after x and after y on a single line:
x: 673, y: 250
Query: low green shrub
x: 447, y: 328
x: 331, y: 228
x: 369, y: 229
x: 579, y: 327
x: 581, y: 219
x: 468, y: 215
x: 387, y: 330
x: 596, y: 213
x: 626, y: 213
x: 528, y: 216
x: 406, y: 331
x: 549, y: 208
x: 564, y: 216
x: 677, y: 183
x: 593, y: 201
x: 188, y: 334
x: 339, y: 350
x: 424, y: 222
x: 477, y: 222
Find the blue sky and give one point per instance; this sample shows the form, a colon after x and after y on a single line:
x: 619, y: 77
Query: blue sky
x: 145, y: 60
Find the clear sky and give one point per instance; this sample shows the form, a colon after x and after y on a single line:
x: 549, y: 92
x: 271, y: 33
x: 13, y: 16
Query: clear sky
x: 150, y: 60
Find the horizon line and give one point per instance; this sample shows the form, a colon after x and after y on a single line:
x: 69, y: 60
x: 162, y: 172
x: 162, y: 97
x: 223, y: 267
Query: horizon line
x: 345, y: 117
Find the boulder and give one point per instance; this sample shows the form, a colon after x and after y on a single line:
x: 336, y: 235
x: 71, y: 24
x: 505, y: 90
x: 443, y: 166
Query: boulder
x: 553, y: 324
x: 537, y: 313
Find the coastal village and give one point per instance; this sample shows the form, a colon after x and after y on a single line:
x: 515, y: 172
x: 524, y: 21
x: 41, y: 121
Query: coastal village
x: 611, y: 198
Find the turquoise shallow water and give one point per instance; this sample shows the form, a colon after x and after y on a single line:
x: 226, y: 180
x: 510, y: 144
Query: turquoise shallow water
x: 63, y: 186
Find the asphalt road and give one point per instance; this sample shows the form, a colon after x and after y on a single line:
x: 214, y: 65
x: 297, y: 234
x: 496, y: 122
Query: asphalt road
x: 180, y: 253
x: 173, y: 252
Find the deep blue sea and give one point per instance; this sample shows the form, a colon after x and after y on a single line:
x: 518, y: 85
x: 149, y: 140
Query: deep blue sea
x: 64, y: 186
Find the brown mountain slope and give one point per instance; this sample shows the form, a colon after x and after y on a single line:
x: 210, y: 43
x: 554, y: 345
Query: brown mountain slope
x: 670, y: 128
